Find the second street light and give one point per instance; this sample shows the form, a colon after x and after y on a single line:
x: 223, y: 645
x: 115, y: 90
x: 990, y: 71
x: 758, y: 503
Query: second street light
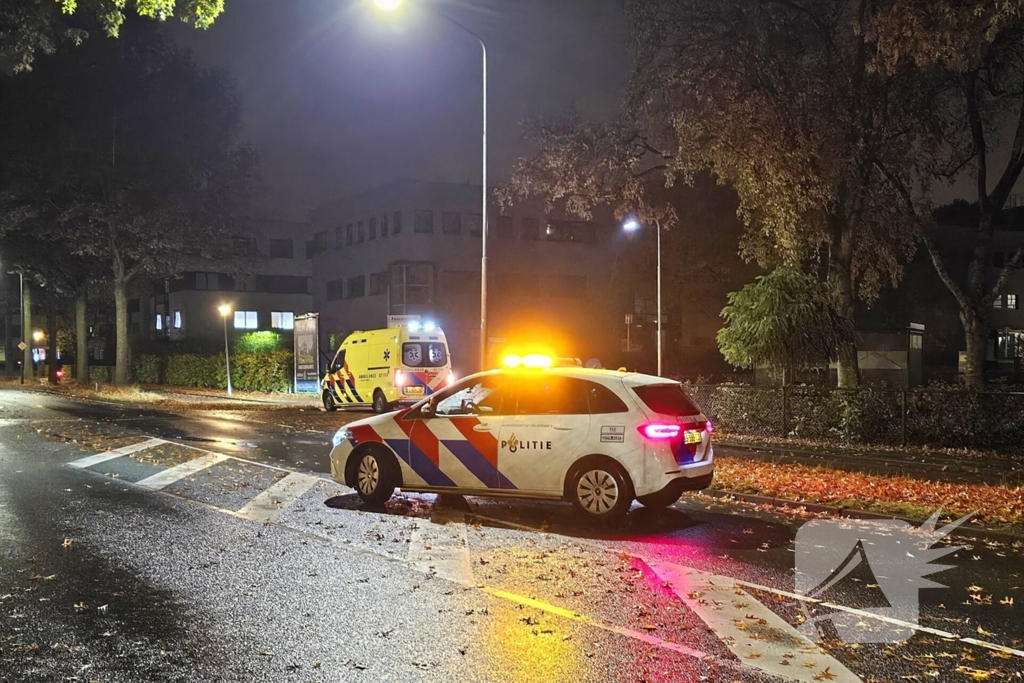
x: 393, y: 5
x: 225, y: 311
x: 632, y: 225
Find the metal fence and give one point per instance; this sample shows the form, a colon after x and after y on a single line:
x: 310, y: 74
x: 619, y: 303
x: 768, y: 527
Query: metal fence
x: 932, y: 417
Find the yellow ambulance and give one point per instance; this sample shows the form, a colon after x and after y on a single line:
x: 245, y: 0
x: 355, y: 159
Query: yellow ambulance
x: 385, y: 368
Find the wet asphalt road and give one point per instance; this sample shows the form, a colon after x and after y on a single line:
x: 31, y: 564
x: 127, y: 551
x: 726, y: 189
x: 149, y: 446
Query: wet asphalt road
x: 103, y: 579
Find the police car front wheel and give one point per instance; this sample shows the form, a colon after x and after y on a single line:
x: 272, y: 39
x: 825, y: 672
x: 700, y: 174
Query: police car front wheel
x: 601, y: 490
x: 373, y: 475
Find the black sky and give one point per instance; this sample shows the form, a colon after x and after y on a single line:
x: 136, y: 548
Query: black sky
x: 339, y: 97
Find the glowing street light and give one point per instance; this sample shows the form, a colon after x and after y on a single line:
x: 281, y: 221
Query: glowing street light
x: 38, y: 335
x: 391, y: 5
x: 631, y: 225
x: 225, y: 311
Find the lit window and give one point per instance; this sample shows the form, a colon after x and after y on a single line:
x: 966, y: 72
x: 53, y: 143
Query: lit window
x: 1011, y: 301
x: 997, y: 302
x: 246, y: 320
x: 177, y: 320
x: 282, y: 320
x: 159, y: 322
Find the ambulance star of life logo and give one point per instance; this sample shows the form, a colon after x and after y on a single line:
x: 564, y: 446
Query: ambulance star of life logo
x: 874, y: 569
x: 387, y: 354
x: 513, y: 443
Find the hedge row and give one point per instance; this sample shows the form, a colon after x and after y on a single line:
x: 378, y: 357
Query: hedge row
x: 249, y: 371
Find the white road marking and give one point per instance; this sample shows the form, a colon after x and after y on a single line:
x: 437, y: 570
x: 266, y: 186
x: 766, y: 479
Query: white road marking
x: 575, y: 616
x: 268, y: 506
x: 185, y: 469
x: 442, y: 550
x: 756, y: 635
x: 116, y: 453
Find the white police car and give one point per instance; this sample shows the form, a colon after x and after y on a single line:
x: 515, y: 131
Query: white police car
x: 596, y: 438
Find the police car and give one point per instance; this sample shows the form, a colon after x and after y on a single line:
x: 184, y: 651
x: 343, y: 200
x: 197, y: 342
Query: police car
x: 596, y: 438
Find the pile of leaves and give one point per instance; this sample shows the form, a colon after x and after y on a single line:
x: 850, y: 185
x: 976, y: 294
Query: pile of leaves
x: 993, y: 505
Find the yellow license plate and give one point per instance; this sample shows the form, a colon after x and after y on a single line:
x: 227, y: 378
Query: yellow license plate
x: 691, y: 436
x: 414, y: 390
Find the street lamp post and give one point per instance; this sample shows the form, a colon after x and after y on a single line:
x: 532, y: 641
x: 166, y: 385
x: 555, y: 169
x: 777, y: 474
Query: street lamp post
x: 394, y: 4
x: 632, y: 225
x: 21, y: 295
x: 225, y: 311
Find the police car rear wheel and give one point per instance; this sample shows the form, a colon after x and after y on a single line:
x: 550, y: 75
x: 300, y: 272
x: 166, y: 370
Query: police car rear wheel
x: 380, y: 403
x: 601, y: 492
x: 374, y: 477
x: 329, y: 404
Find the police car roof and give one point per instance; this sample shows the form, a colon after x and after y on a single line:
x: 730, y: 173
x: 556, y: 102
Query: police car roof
x: 630, y: 378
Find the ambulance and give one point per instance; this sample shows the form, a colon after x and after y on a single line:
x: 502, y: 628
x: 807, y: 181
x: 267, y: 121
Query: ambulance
x: 381, y: 369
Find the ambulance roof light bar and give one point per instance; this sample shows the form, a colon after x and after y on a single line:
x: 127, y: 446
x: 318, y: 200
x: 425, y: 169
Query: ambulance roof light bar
x: 416, y: 326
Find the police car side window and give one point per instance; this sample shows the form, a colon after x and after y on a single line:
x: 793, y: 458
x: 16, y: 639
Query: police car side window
x: 551, y: 395
x: 483, y: 397
x: 602, y: 400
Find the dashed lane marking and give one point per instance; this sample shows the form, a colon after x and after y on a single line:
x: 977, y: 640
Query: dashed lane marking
x: 756, y: 635
x: 268, y: 505
x: 116, y: 453
x: 169, y: 476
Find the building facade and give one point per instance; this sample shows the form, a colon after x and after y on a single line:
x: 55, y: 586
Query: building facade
x: 266, y: 280
x: 413, y: 248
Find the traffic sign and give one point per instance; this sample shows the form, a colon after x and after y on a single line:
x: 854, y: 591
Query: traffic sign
x: 22, y: 346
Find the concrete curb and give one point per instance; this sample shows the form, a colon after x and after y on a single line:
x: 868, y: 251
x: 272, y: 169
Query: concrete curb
x: 853, y: 513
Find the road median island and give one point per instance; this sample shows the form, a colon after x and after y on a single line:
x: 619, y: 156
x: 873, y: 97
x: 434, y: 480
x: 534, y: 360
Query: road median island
x: 995, y: 506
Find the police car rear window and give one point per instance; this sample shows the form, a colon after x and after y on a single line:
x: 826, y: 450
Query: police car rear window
x: 666, y: 399
x: 424, y: 354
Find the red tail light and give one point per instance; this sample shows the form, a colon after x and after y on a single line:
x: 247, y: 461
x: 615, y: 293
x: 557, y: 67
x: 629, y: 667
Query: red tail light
x: 660, y: 432
x: 709, y: 427
x: 399, y: 379
x: 60, y: 374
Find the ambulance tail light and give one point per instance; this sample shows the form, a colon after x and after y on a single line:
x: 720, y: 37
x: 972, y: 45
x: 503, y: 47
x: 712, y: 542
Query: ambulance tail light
x: 660, y: 432
x: 400, y: 379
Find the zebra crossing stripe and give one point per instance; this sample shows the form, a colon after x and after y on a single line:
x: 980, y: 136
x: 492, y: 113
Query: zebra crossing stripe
x: 756, y: 635
x: 116, y: 453
x: 268, y: 505
x: 169, y: 476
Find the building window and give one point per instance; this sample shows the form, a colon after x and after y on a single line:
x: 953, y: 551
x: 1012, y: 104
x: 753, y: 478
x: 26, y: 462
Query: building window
x: 570, y: 231
x: 356, y: 287
x: 451, y: 223
x: 1011, y: 301
x: 208, y: 281
x: 282, y: 320
x: 475, y: 223
x: 246, y: 320
x: 335, y: 289
x: 338, y: 236
x: 423, y: 222
x: 378, y: 283
x: 396, y: 225
x: 243, y: 246
x: 348, y: 235
x: 159, y: 321
x: 412, y: 287
x: 997, y: 302
x: 360, y: 232
x: 319, y: 241
x: 373, y: 228
x: 383, y: 225
x: 281, y: 249
x: 177, y: 320
x: 506, y: 228
x: 531, y: 229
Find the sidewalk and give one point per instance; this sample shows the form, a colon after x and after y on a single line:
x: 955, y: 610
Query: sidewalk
x: 183, y: 397
x: 964, y: 467
x: 906, y: 483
